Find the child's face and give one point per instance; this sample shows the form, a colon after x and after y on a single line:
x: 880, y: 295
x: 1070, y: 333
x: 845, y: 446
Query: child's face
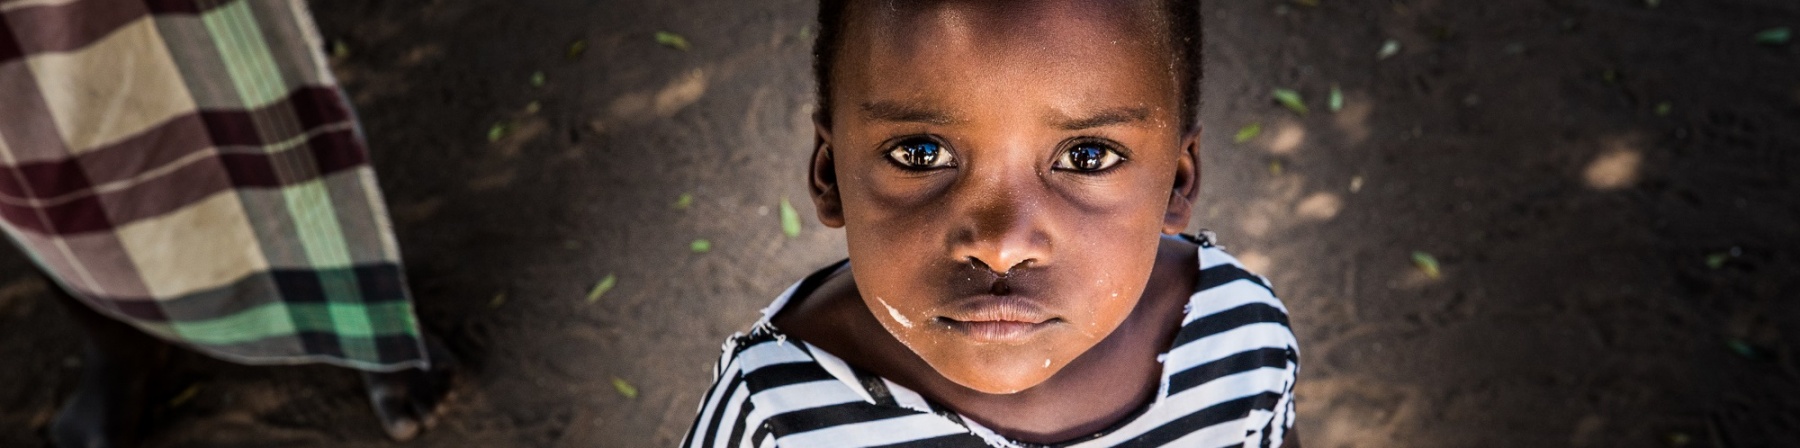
x: 1003, y: 171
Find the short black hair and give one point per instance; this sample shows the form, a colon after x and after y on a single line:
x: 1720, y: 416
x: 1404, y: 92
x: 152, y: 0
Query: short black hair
x: 1183, y: 18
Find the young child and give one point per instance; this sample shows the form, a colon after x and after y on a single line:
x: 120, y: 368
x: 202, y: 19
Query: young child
x: 1009, y: 175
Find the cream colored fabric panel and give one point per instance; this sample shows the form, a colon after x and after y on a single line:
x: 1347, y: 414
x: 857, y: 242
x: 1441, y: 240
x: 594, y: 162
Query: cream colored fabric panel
x: 206, y: 245
x: 121, y: 85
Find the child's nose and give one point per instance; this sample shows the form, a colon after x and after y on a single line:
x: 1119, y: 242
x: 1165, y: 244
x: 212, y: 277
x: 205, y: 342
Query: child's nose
x: 1003, y: 230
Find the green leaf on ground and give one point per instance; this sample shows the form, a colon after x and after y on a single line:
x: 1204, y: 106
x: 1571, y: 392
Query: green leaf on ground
x: 1743, y: 349
x: 185, y: 396
x: 672, y: 40
x: 625, y: 389
x: 1275, y: 167
x: 537, y: 78
x: 1774, y: 36
x: 1249, y: 131
x: 1336, y: 100
x: 1291, y: 99
x: 1426, y: 263
x: 700, y: 246
x: 576, y: 48
x: 1389, y: 48
x: 684, y: 201
x: 498, y: 131
x: 533, y: 107
x: 1664, y: 108
x: 339, y: 49
x: 1717, y: 260
x: 600, y: 289
x: 790, y: 219
x: 1677, y: 439
x: 806, y: 32
x: 499, y: 299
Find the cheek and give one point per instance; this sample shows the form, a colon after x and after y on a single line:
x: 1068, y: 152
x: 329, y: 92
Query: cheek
x: 1139, y: 192
x: 1109, y: 272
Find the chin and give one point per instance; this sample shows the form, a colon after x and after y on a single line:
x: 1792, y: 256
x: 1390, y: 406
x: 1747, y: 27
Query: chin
x: 1003, y: 375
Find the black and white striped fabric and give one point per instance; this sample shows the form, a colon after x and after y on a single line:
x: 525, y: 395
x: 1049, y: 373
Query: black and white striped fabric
x: 1228, y: 380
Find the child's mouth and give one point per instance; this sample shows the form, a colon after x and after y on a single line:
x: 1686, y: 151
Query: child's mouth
x: 995, y: 331
x: 997, y: 319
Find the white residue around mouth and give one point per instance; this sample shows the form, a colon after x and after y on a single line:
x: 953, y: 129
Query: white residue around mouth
x: 895, y: 313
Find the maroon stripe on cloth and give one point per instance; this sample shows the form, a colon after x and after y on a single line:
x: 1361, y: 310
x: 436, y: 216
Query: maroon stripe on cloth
x: 181, y: 6
x: 338, y: 151
x: 184, y: 135
x: 149, y: 150
x: 166, y: 193
x: 331, y: 152
x: 250, y: 170
x: 81, y: 215
x: 71, y: 26
x: 318, y: 106
x: 44, y: 179
x: 9, y: 45
x: 154, y: 148
x: 230, y: 128
x: 141, y: 310
x: 313, y: 106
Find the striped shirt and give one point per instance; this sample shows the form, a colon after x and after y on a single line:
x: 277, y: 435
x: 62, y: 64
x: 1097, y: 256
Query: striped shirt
x: 1228, y: 380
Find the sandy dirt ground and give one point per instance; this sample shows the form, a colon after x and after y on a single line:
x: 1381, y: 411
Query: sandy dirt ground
x: 1606, y: 185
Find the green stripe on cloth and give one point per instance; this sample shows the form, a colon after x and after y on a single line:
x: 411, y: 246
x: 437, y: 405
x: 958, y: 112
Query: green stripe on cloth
x: 281, y: 320
x: 266, y: 321
x: 316, y: 220
x: 246, y: 55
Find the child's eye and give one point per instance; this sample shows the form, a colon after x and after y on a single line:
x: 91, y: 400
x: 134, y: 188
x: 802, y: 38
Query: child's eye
x: 1088, y: 158
x: 921, y: 154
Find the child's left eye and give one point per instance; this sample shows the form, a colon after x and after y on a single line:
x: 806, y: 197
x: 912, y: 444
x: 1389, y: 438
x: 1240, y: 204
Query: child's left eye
x: 1088, y: 158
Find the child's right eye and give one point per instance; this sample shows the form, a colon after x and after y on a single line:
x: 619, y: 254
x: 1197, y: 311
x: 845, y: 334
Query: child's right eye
x: 921, y: 154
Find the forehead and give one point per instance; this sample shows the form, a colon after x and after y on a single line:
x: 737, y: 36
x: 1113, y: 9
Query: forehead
x: 1011, y: 24
x: 1103, y: 49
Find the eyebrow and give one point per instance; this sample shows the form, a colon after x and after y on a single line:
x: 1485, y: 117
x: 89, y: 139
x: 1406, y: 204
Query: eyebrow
x: 1108, y: 117
x: 895, y: 111
x: 906, y: 113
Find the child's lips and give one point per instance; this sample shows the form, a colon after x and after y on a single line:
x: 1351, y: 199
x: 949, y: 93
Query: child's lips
x: 998, y: 332
x: 997, y: 319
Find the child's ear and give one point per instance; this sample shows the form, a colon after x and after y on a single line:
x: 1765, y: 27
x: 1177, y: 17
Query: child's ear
x: 1187, y: 184
x: 822, y: 179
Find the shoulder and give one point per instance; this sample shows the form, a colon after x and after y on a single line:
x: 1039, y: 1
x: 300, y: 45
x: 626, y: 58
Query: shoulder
x: 1235, y: 354
x: 750, y: 365
x: 775, y: 391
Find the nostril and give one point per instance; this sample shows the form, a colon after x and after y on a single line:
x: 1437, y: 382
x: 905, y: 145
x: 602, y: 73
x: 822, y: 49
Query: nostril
x: 978, y: 264
x: 1026, y: 263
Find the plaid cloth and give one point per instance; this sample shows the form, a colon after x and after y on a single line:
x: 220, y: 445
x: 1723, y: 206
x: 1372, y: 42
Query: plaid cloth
x: 190, y: 167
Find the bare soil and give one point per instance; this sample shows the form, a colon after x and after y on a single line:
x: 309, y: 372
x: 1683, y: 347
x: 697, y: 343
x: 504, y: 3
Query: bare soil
x: 1606, y: 186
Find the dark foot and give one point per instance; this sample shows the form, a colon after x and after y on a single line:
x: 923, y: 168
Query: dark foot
x: 106, y: 410
x: 408, y: 401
